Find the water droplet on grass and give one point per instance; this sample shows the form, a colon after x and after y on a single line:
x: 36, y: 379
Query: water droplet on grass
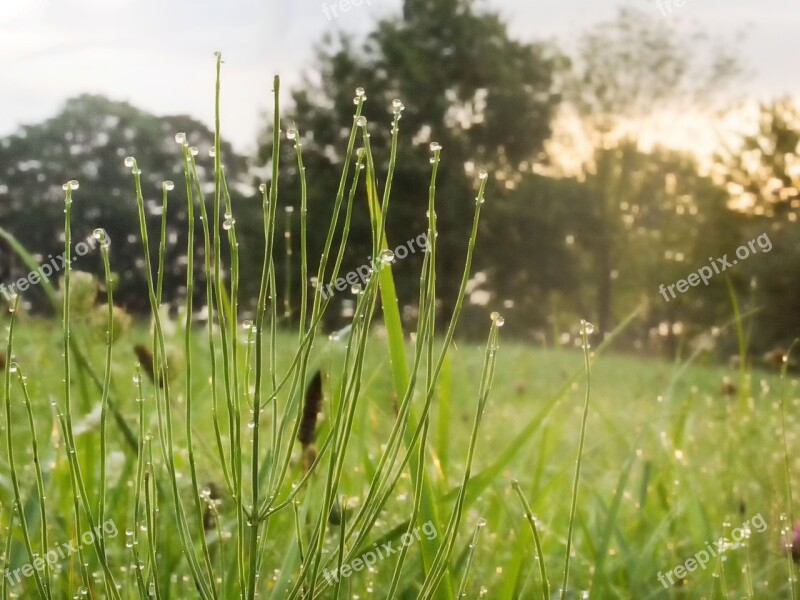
x: 168, y: 185
x: 180, y: 137
x: 72, y: 184
x: 360, y: 92
x: 498, y: 319
x: 129, y: 161
x: 482, y: 174
x: 361, y: 121
x: 435, y: 146
x: 387, y: 257
x: 100, y: 235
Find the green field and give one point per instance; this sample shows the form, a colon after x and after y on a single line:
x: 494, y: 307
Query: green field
x: 671, y: 462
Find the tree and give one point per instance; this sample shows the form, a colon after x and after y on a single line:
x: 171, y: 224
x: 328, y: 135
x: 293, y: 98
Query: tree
x: 761, y: 173
x: 88, y: 141
x: 624, y: 71
x: 487, y: 99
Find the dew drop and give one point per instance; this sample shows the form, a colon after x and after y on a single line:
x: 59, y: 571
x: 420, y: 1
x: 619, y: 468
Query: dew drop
x: 72, y: 184
x: 387, y: 257
x: 397, y: 105
x: 360, y: 92
x: 212, y: 152
x: 356, y: 289
x: 498, y: 319
x: 482, y: 174
x: 194, y: 150
x: 587, y: 327
x: 217, y: 54
x: 291, y: 134
x: 361, y: 121
x: 168, y: 185
x: 262, y: 187
x: 481, y: 522
x: 435, y: 146
x: 180, y: 137
x: 101, y: 235
x: 13, y: 367
x: 129, y: 161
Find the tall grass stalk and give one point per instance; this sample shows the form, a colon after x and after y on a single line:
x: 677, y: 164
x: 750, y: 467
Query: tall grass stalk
x: 101, y: 237
x: 79, y: 491
x: 41, y: 583
x: 267, y: 274
x: 531, y: 518
x: 787, y: 469
x: 586, y: 330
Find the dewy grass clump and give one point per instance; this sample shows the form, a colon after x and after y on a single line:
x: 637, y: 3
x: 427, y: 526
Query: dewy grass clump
x: 237, y: 513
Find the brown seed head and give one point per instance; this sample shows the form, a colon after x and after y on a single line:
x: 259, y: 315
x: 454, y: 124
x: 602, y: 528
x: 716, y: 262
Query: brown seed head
x: 313, y: 403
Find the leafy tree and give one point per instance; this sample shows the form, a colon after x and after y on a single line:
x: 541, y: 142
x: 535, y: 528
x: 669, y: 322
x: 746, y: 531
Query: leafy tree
x: 88, y: 141
x: 669, y: 220
x: 761, y: 173
x: 486, y: 98
x: 624, y: 71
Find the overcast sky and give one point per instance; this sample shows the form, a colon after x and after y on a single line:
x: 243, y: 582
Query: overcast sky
x: 157, y: 55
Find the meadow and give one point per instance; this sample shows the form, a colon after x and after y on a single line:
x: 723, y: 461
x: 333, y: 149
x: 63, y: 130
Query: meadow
x: 183, y: 458
x: 673, y: 460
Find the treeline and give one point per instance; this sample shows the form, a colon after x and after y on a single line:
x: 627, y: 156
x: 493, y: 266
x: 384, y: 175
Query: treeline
x: 589, y: 225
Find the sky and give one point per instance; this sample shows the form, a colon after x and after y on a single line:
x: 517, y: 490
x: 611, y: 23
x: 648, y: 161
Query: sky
x: 158, y: 55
